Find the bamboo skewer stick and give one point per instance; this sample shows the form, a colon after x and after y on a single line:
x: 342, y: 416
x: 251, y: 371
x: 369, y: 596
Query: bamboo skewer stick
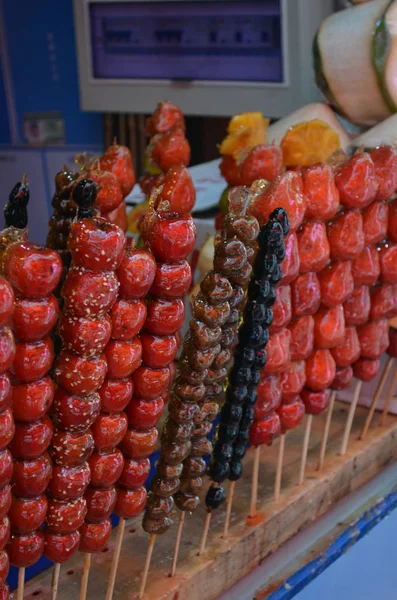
x: 152, y: 541
x: 86, y: 574
x: 279, y: 470
x: 115, y: 560
x: 388, y: 399
x: 305, y: 448
x: 229, y: 509
x: 205, y: 532
x: 177, y: 542
x: 376, y: 397
x: 21, y: 583
x: 350, y: 418
x: 327, y: 425
x: 55, y: 580
x: 255, y: 477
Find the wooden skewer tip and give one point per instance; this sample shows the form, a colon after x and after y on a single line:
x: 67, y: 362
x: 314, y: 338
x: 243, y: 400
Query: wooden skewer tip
x: 305, y: 448
x: 324, y: 440
x: 229, y: 509
x: 177, y: 542
x: 21, y: 583
x: 203, y: 542
x: 115, y: 559
x: 279, y: 469
x: 86, y: 573
x: 55, y: 580
x: 152, y: 541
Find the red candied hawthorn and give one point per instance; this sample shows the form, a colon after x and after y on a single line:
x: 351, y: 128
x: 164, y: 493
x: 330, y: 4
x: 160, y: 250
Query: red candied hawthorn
x: 313, y: 247
x: 7, y: 428
x: 89, y: 294
x: 230, y: 171
x: 170, y: 149
x: 392, y: 348
x: 26, y: 550
x: 6, y: 467
x: 140, y: 444
x: 346, y: 236
x: 59, y: 548
x: 71, y: 449
x: 31, y: 401
x: 150, y: 383
x: 302, y: 338
x: 262, y: 162
x: 106, y: 468
x: 321, y: 193
x: 85, y: 336
x: 6, y: 301
x: 315, y: 402
x: 34, y: 319
x: 348, y: 351
x: 342, y: 379
x: 375, y: 219
x: 75, y: 413
x: 123, y: 358
x: 33, y: 271
x: 95, y: 536
x: 366, y: 369
x: 292, y: 380
x: 5, y: 531
x: 27, y: 514
x: 373, y: 338
x: 158, y: 351
x: 164, y: 317
x: 366, y: 267
x: 68, y: 483
x: 291, y: 414
x: 135, y: 472
x: 290, y: 264
x: 130, y: 503
x: 383, y: 302
x: 356, y: 181
x: 336, y: 283
x: 265, y: 431
x: 66, y: 516
x: 176, y: 193
x: 136, y: 273
x: 30, y: 440
x: 329, y: 327
x: 116, y: 394
x: 118, y: 216
x: 109, y: 430
x: 100, y: 503
x: 320, y: 370
x: 7, y: 349
x: 4, y: 569
x: 278, y: 352
x: 5, y: 392
x: 172, y: 280
x: 109, y: 195
x: 282, y: 309
x: 392, y: 223
x: 388, y: 262
x: 117, y: 160
x: 357, y: 306
x: 286, y: 191
x: 385, y: 163
x: 32, y: 360
x: 166, y: 117
x: 5, y: 501
x: 268, y: 396
x: 79, y: 375
x: 170, y: 237
x: 305, y: 295
x: 127, y: 318
x: 144, y: 414
x: 96, y: 244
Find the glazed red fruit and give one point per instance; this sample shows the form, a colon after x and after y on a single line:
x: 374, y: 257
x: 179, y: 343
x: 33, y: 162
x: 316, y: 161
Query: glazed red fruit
x: 342, y: 379
x: 106, y: 468
x: 356, y: 181
x: 127, y: 318
x: 31, y: 401
x: 373, y: 338
x: 89, y: 294
x: 117, y: 160
x: 150, y: 383
x: 348, y: 351
x: 75, y: 413
x: 305, y: 295
x: 357, y: 306
x: 263, y: 162
x: 366, y: 267
x: 291, y: 414
x: 392, y: 348
x: 158, y: 351
x: 336, y: 283
x: 135, y: 472
x: 118, y: 217
x: 123, y: 358
x: 167, y: 116
x: 66, y: 517
x: 385, y: 162
x: 116, y: 394
x: 5, y: 392
x: 392, y: 224
x: 7, y: 349
x: 136, y: 273
x: 375, y: 219
x: 144, y: 414
x: 171, y: 238
x: 79, y: 375
x: 109, y: 190
x: 140, y: 444
x: 383, y: 302
x: 109, y: 430
x: 32, y: 360
x: 313, y: 247
x: 177, y: 191
x: 130, y: 503
x: 302, y: 338
x: 290, y: 264
x: 68, y: 483
x: 170, y: 149
x: 71, y: 449
x: 33, y: 271
x: 164, y: 317
x: 27, y: 514
x: 7, y: 428
x: 315, y: 402
x: 346, y: 236
x: 230, y: 170
x: 5, y: 501
x: 59, y: 548
x: 265, y: 431
x: 34, y: 319
x: 95, y: 536
x: 96, y: 244
x: 5, y: 531
x: 30, y: 440
x: 172, y: 280
x: 4, y: 569
x: 388, y: 263
x: 282, y: 308
x: 26, y: 550
x: 278, y: 352
x: 320, y: 370
x: 366, y: 369
x: 286, y: 191
x: 85, y: 336
x: 6, y: 301
x: 321, y: 193
x: 100, y: 503
x: 293, y: 380
x: 329, y: 327
x: 6, y: 467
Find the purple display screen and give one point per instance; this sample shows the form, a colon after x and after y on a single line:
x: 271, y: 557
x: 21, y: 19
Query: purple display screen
x: 216, y: 41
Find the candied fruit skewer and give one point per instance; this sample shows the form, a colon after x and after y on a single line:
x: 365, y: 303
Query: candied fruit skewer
x: 16, y: 218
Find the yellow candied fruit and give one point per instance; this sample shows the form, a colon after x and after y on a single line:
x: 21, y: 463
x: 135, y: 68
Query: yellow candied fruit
x: 247, y: 130
x: 308, y: 143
